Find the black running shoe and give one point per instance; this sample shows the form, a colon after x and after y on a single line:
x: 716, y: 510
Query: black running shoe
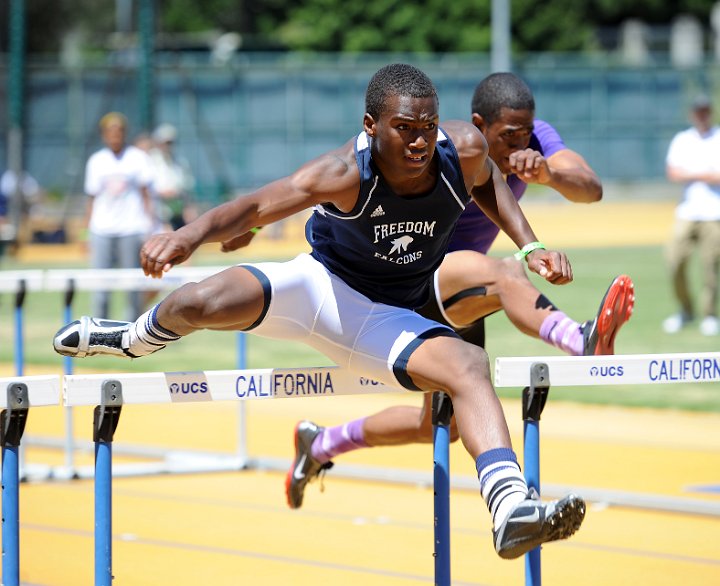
x: 304, y: 468
x: 615, y: 309
x: 532, y: 523
x: 89, y: 336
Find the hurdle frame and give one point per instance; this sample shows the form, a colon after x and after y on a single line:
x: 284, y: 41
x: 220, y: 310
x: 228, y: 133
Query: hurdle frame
x: 109, y: 392
x: 534, y: 374
x: 21, y: 394
x: 68, y: 282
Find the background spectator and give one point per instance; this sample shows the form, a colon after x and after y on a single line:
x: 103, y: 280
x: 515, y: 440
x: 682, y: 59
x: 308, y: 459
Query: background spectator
x: 693, y: 159
x: 119, y: 211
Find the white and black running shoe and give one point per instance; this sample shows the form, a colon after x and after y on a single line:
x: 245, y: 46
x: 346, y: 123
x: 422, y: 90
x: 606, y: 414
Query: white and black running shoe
x: 304, y: 467
x: 89, y: 336
x: 532, y: 523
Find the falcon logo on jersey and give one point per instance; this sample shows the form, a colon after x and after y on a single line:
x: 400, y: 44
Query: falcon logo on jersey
x: 401, y: 244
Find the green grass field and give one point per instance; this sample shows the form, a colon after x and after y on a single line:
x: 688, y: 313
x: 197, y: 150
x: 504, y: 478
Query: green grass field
x: 593, y: 270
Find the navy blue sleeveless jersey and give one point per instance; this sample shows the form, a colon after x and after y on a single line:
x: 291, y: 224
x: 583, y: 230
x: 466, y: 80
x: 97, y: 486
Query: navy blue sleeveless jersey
x: 388, y: 247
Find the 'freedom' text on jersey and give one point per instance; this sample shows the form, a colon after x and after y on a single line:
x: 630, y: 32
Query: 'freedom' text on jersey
x: 382, y: 231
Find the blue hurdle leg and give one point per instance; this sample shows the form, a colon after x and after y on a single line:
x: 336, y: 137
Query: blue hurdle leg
x: 12, y: 427
x: 67, y: 318
x: 441, y: 415
x: 68, y: 369
x: 19, y: 330
x: 533, y: 403
x: 103, y: 514
x: 10, y: 517
x: 531, y: 458
x: 105, y: 420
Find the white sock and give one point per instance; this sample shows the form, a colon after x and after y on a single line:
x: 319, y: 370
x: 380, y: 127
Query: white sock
x: 502, y: 484
x: 146, y: 335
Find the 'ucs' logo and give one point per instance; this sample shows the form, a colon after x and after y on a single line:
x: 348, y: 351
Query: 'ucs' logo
x: 606, y: 371
x: 189, y: 387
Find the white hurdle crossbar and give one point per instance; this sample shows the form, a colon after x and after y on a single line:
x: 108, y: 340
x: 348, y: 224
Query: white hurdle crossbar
x: 17, y: 396
x: 618, y: 369
x: 536, y: 374
x: 122, y: 279
x: 222, y: 385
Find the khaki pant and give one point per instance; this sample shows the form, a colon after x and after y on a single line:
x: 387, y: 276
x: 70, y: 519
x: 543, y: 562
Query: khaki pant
x: 687, y: 236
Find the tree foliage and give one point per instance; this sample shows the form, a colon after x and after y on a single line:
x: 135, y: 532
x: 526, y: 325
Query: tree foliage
x: 387, y: 25
x: 374, y: 25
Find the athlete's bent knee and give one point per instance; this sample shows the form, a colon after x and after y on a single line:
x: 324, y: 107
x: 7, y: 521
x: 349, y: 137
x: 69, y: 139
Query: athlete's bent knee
x: 195, y: 302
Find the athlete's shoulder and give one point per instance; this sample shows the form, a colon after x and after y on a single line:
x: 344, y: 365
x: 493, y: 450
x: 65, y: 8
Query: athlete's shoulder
x: 542, y: 128
x: 331, y: 177
x: 546, y: 139
x: 471, y: 147
x: 337, y: 163
x: 468, y: 140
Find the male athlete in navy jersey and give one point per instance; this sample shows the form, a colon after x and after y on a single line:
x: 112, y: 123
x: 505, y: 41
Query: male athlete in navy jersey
x: 470, y: 285
x: 385, y: 205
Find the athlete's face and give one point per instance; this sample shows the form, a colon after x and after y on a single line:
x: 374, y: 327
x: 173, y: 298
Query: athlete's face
x: 509, y: 132
x: 404, y: 136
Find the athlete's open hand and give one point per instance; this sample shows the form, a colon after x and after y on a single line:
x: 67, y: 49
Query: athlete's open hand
x: 553, y: 266
x: 530, y: 166
x: 163, y: 251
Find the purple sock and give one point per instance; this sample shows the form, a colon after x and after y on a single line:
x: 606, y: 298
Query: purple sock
x: 560, y: 331
x: 337, y: 440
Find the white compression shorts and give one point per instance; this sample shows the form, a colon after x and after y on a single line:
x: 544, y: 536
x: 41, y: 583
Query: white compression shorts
x: 307, y: 303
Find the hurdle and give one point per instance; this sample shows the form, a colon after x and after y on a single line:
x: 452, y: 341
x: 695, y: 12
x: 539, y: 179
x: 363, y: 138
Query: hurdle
x: 109, y: 392
x: 68, y: 282
x: 536, y: 373
x: 21, y: 394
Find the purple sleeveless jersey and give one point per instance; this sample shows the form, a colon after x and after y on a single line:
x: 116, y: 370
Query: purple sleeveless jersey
x: 474, y: 230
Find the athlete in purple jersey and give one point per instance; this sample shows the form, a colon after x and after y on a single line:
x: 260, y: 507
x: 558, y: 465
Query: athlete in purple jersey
x: 470, y: 285
x: 474, y: 230
x: 401, y: 158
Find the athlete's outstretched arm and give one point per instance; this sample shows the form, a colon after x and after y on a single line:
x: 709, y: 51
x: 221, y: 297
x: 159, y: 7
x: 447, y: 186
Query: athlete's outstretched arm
x: 566, y: 171
x: 492, y: 194
x: 497, y: 202
x: 332, y: 177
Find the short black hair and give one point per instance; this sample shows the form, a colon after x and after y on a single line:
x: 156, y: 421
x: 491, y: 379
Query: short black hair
x: 397, y: 79
x: 498, y: 91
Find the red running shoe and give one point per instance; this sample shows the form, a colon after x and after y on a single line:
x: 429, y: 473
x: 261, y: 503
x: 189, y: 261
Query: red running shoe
x: 615, y: 309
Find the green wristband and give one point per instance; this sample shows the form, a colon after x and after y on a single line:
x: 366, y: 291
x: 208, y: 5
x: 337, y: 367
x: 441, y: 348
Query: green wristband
x: 256, y: 229
x: 527, y: 249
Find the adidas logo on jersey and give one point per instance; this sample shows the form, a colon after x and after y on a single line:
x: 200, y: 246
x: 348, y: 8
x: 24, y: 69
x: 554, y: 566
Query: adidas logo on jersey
x: 377, y: 212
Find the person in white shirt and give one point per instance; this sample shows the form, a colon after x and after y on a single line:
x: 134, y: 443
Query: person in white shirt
x: 118, y: 178
x: 693, y: 159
